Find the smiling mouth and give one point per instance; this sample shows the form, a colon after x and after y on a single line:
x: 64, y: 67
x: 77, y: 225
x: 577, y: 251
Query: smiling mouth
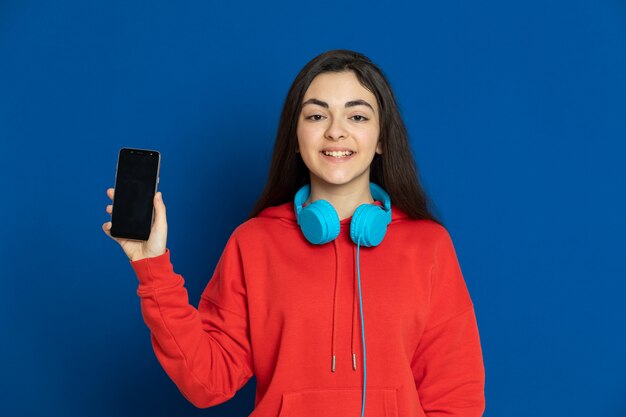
x: 338, y: 154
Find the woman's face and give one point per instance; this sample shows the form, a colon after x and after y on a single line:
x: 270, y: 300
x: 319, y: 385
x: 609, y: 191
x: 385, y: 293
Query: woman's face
x: 338, y: 131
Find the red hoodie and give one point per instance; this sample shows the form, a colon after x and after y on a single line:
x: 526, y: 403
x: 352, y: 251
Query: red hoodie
x: 286, y: 311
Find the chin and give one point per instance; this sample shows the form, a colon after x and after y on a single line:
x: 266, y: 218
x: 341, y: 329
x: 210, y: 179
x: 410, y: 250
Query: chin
x: 337, y: 181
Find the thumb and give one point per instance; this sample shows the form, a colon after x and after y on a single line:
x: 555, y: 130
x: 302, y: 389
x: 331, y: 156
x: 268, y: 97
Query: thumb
x: 159, y: 210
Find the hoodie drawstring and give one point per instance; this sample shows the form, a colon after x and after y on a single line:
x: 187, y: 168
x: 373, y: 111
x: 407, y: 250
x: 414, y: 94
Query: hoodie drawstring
x: 333, y: 354
x: 354, y: 309
x: 356, y: 288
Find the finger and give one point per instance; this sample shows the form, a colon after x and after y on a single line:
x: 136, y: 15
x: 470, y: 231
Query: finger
x: 106, y: 227
x: 109, y: 209
x: 159, y: 210
x: 111, y: 193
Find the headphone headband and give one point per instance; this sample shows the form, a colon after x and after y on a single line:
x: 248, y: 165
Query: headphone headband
x: 381, y: 195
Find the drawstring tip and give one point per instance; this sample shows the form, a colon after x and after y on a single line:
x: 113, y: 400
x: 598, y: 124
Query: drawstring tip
x: 334, y: 363
x: 354, y: 361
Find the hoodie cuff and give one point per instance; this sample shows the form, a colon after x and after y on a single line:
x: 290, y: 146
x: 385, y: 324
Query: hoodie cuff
x: 155, y: 273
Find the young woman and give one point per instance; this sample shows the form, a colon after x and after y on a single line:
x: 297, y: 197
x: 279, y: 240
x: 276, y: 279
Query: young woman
x: 341, y: 292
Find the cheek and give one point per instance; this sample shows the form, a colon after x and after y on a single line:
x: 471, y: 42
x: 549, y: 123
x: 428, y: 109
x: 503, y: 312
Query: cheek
x: 299, y: 135
x: 370, y: 140
x: 376, y: 140
x: 305, y: 136
x: 303, y: 146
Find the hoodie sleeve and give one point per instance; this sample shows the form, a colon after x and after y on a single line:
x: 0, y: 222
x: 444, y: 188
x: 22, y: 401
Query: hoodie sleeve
x: 447, y: 364
x: 205, y: 351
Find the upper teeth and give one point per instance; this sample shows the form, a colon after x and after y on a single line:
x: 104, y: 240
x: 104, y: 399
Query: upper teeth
x: 338, y: 154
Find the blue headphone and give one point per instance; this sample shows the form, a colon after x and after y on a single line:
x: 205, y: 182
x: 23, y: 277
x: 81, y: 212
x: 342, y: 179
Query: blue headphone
x: 320, y: 223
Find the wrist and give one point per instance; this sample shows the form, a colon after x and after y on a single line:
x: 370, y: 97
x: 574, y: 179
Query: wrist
x: 139, y: 257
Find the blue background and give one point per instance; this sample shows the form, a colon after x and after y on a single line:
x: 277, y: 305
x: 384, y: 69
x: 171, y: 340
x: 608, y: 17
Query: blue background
x: 517, y: 116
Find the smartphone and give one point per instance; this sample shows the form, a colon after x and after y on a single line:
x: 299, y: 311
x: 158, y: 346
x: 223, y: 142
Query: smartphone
x: 136, y: 181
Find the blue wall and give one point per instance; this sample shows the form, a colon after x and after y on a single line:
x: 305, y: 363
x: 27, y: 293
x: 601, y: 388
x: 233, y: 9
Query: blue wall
x: 517, y: 114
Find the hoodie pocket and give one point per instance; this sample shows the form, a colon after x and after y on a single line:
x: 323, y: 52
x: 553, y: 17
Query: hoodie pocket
x: 339, y: 403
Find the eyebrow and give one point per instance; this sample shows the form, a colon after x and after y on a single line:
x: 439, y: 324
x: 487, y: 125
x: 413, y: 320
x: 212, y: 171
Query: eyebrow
x: 351, y: 103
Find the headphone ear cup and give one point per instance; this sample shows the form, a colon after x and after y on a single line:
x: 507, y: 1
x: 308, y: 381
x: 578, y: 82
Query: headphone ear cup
x: 368, y: 225
x: 319, y: 222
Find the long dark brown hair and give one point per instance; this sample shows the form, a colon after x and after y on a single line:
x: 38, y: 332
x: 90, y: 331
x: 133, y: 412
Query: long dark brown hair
x: 394, y: 169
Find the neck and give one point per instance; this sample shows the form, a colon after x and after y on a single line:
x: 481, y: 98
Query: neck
x: 345, y: 199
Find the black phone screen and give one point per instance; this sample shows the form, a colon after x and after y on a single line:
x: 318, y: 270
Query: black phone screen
x: 135, y: 185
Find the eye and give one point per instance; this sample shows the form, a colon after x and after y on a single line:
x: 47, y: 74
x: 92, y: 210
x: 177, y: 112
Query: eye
x: 359, y: 118
x: 315, y: 117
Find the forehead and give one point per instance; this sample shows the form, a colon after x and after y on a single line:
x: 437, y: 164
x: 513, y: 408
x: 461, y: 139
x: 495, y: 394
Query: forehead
x: 338, y: 87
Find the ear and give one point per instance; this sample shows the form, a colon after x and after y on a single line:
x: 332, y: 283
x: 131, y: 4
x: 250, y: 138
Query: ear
x: 379, y: 148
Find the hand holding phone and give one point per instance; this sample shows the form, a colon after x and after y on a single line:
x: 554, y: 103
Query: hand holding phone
x: 134, y: 198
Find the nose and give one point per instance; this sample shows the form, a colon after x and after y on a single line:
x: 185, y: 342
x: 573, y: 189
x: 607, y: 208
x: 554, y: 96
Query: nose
x: 335, y: 130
